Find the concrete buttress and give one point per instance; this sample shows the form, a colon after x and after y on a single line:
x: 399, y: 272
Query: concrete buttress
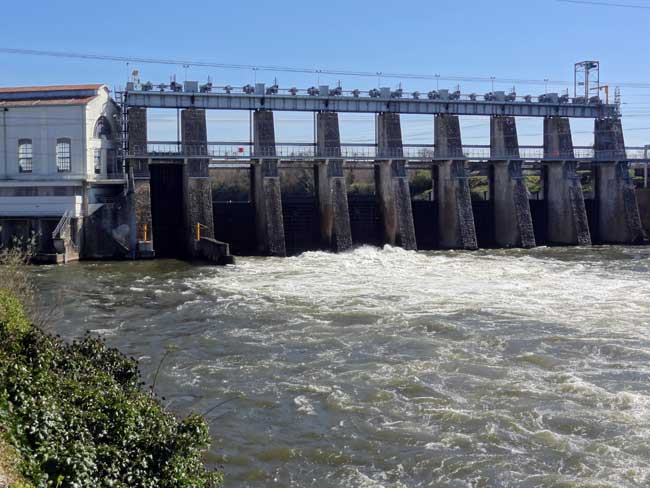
x: 392, y: 184
x: 456, y: 228
x: 512, y: 224
x: 197, y: 189
x: 269, y: 221
x: 566, y: 215
x: 618, y: 219
x: 336, y: 234
x: 137, y: 141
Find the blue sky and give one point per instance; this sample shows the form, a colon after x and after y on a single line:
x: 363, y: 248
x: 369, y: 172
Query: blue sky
x: 533, y: 39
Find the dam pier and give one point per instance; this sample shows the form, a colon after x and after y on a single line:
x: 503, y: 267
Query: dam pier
x: 336, y: 219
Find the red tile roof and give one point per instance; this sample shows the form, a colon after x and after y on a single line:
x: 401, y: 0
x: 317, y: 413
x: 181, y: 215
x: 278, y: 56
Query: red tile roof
x: 27, y: 89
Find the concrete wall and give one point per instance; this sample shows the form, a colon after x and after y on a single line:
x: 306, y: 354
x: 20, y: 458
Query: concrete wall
x: 41, y: 206
x: 107, y: 232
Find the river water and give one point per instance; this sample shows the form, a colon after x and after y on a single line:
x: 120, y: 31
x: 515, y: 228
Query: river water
x: 388, y: 368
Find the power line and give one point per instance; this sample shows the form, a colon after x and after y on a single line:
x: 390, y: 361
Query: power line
x: 289, y: 69
x: 286, y: 69
x: 605, y: 4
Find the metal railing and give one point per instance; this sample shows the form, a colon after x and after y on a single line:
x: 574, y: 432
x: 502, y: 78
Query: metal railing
x: 370, y: 152
x: 61, y: 227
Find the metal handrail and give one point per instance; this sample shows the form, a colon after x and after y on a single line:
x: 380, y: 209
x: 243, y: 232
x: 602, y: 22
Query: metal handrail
x: 65, y: 220
x: 200, y: 226
x: 308, y: 151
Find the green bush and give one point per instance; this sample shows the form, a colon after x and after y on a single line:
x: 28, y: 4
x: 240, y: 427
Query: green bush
x: 361, y: 188
x: 421, y: 183
x: 534, y: 184
x: 78, y: 417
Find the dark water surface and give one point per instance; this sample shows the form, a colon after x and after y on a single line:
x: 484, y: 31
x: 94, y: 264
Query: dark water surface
x: 387, y: 368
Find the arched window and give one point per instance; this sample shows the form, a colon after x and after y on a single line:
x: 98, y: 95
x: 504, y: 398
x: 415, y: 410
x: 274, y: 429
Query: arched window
x: 98, y: 161
x: 63, y: 156
x: 25, y: 155
x: 103, y: 128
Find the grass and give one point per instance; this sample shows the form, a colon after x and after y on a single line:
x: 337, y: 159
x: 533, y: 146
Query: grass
x: 10, y: 476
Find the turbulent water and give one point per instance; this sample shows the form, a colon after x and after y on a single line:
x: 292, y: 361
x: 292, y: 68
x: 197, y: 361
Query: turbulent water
x: 387, y: 368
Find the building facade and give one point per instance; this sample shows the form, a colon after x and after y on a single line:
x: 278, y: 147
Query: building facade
x: 58, y: 161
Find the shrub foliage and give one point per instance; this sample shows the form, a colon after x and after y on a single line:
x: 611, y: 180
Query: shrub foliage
x: 79, y: 418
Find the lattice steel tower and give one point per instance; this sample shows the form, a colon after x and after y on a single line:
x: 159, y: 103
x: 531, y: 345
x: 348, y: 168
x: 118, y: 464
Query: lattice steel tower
x: 586, y: 79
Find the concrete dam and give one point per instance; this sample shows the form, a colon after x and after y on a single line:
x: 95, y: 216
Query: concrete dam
x: 174, y: 215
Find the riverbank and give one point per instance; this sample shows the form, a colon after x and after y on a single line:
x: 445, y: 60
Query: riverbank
x: 74, y: 414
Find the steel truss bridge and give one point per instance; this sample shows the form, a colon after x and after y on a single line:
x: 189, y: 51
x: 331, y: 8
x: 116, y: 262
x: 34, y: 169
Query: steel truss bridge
x: 259, y: 97
x: 324, y: 99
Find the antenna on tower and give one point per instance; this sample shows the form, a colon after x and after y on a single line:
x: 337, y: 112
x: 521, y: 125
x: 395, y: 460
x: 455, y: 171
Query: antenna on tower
x: 135, y: 78
x: 586, y: 79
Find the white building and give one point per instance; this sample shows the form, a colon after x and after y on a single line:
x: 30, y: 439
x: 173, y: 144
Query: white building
x: 57, y: 154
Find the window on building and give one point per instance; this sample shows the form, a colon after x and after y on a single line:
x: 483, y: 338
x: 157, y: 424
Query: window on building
x: 63, y: 157
x: 111, y: 163
x: 98, y: 161
x: 103, y: 129
x: 25, y: 155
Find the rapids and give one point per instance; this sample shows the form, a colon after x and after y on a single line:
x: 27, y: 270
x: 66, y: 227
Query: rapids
x: 388, y: 368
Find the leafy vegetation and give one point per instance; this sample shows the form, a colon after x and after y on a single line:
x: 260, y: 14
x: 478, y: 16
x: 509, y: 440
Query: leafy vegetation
x: 9, y: 463
x: 77, y: 416
x: 534, y: 184
x: 479, y: 187
x: 361, y: 188
x: 421, y: 185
